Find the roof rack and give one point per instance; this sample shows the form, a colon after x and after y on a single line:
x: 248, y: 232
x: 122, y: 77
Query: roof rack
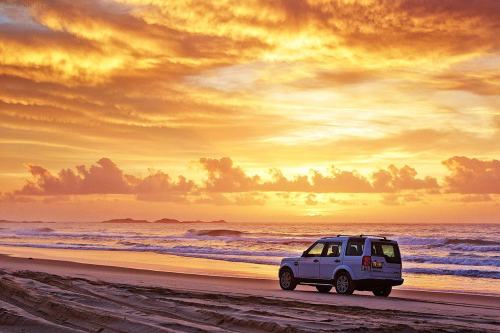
x: 336, y: 236
x: 362, y: 235
x: 376, y: 236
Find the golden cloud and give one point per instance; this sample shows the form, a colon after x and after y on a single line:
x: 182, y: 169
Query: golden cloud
x: 289, y: 84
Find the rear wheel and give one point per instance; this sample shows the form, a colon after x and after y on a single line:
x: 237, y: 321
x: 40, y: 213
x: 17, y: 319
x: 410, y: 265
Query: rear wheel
x: 324, y: 289
x: 344, y: 284
x: 382, y: 291
x: 287, y: 280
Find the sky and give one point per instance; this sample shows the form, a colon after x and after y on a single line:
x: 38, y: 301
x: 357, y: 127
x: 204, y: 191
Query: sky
x: 258, y: 110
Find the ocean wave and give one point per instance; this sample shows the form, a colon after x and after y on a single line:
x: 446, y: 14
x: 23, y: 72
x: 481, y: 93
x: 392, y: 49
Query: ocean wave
x: 469, y: 244
x: 270, y: 257
x: 456, y: 272
x: 463, y: 261
x: 470, y: 241
x: 214, y: 233
x: 34, y: 232
x: 140, y: 247
x: 223, y: 235
x: 475, y: 248
x: 45, y: 229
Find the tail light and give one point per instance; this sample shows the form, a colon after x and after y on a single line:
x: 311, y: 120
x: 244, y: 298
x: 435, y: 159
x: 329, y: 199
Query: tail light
x: 366, y: 263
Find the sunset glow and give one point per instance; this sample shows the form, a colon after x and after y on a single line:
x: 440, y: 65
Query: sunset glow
x: 352, y: 111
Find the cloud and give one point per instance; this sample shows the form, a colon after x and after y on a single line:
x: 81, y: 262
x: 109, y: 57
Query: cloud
x: 279, y: 182
x: 472, y: 175
x: 229, y: 184
x: 405, y: 178
x: 105, y: 177
x: 223, y: 176
x: 238, y: 199
x: 340, y: 182
x: 472, y: 198
x: 160, y: 187
x: 391, y: 179
x: 391, y: 199
x: 311, y: 200
x: 397, y: 199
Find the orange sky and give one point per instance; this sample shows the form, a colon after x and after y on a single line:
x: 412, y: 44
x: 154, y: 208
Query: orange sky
x: 250, y: 110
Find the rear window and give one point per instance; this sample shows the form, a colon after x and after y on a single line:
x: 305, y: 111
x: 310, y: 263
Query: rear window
x: 355, y: 247
x: 390, y: 251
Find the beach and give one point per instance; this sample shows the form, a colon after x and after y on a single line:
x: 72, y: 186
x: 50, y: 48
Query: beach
x: 45, y: 296
x: 452, y: 258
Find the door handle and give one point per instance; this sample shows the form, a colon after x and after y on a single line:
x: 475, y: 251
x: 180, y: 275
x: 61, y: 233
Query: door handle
x: 337, y: 260
x: 296, y: 263
x: 315, y: 260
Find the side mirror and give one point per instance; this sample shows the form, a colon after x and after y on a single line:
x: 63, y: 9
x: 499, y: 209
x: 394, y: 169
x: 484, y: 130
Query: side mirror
x: 304, y: 253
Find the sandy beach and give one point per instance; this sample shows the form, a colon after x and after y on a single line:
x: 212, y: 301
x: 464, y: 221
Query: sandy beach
x: 45, y: 296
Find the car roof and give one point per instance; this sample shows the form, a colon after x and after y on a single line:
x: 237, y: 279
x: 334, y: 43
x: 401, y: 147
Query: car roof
x: 343, y: 237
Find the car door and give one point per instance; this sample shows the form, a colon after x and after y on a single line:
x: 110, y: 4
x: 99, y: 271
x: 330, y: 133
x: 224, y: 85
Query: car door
x: 353, y: 255
x: 309, y: 262
x: 386, y: 260
x: 331, y: 258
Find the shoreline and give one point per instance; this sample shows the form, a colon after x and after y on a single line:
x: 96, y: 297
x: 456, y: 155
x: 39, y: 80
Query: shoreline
x: 62, y: 266
x: 240, y: 303
x: 172, y: 263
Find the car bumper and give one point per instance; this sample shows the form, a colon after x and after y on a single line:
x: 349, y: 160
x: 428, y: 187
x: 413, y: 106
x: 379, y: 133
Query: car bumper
x: 370, y: 284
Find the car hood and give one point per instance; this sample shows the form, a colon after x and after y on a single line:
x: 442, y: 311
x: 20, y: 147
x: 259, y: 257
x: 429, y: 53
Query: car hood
x: 290, y: 259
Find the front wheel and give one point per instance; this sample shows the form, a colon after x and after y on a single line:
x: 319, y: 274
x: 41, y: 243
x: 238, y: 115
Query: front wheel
x: 344, y: 284
x: 382, y: 291
x: 287, y: 280
x: 324, y: 289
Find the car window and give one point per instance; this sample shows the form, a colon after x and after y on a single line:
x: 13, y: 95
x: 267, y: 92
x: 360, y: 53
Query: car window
x: 389, y: 251
x: 355, y: 247
x: 333, y: 250
x: 316, y: 250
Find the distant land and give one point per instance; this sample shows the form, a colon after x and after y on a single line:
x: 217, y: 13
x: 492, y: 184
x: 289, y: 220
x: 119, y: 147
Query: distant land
x: 164, y: 220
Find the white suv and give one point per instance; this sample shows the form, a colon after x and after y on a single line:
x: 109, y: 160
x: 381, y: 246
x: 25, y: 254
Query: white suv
x: 347, y: 262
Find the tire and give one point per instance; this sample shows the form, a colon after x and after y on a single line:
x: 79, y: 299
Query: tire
x: 324, y: 289
x: 344, y: 284
x: 287, y: 280
x: 382, y: 291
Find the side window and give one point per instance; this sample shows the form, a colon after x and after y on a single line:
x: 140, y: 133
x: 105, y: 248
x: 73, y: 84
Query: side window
x: 333, y: 250
x: 316, y: 250
x: 355, y: 247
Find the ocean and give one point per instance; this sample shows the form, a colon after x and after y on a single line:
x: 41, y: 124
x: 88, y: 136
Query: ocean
x: 455, y: 257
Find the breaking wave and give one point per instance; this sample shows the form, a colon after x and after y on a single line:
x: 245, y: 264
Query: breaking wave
x: 457, y: 272
x: 214, y: 233
x: 477, y: 261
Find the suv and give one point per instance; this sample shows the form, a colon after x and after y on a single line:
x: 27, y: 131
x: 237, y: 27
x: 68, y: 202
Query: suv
x: 347, y: 262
